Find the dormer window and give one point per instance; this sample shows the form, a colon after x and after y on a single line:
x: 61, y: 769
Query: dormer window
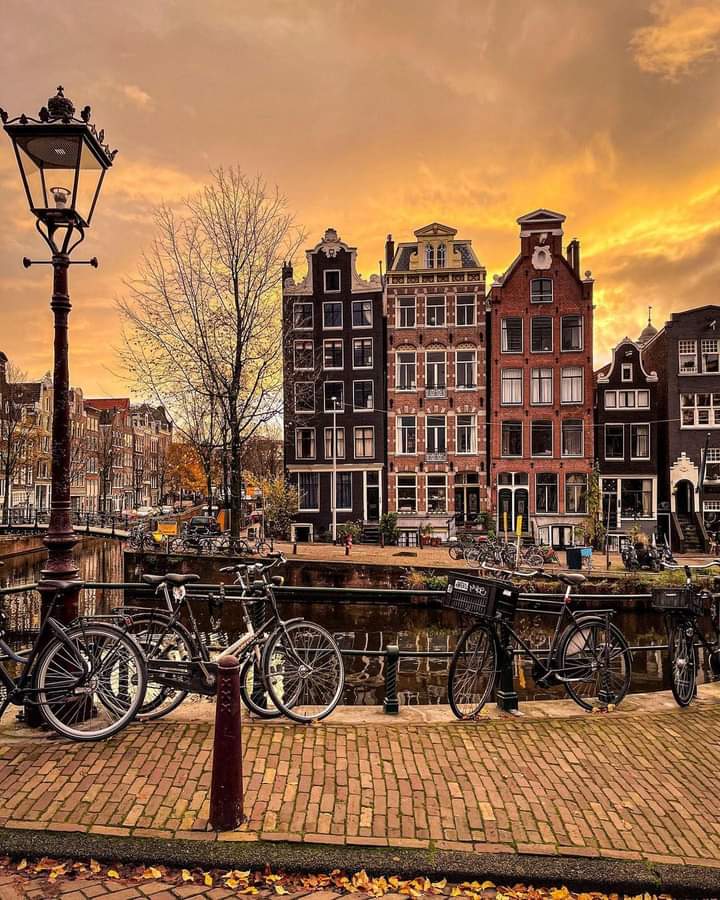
x: 429, y: 256
x: 441, y: 256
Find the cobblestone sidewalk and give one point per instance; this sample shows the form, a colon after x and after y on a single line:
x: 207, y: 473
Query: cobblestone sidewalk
x: 628, y: 787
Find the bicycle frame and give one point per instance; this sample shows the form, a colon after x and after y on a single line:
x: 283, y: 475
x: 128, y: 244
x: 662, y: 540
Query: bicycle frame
x: 20, y: 689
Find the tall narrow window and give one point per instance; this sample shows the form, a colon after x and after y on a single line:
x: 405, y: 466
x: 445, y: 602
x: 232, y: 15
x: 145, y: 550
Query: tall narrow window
x: 571, y: 385
x: 304, y: 397
x: 572, y: 437
x: 435, y: 311
x: 405, y: 370
x: 440, y: 262
x: 465, y: 369
x: 406, y: 434
x: 362, y: 313
x: 542, y: 383
x: 465, y: 438
x: 362, y: 395
x: 339, y: 443
x: 303, y: 355
x: 333, y: 354
x: 546, y: 492
x: 343, y: 490
x: 640, y: 441
x: 435, y: 434
x: 541, y: 334
x: 406, y: 311
x: 709, y: 356
x: 614, y: 442
x: 511, y: 381
x: 541, y: 438
x: 437, y: 493
x: 305, y: 443
x: 334, y: 396
x: 308, y: 491
x: 511, y: 439
x: 407, y: 493
x: 576, y: 493
x: 362, y: 353
x: 572, y: 333
x: 512, y: 335
x: 331, y: 281
x: 465, y: 309
x: 435, y: 370
x: 302, y: 315
x: 687, y: 357
x: 332, y: 314
x: 364, y: 443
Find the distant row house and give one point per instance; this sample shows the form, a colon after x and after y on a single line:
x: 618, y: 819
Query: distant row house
x: 433, y: 398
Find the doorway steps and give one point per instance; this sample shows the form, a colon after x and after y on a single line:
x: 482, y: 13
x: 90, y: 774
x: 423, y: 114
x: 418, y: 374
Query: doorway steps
x: 370, y: 533
x: 692, y: 541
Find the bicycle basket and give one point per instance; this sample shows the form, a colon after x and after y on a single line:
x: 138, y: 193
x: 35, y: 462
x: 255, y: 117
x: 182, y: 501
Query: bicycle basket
x: 485, y: 598
x: 678, y: 599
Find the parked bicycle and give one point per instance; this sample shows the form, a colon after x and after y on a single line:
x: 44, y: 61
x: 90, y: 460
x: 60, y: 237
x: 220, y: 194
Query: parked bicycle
x: 296, y: 662
x: 681, y: 608
x: 589, y: 657
x: 88, y: 679
x: 504, y: 554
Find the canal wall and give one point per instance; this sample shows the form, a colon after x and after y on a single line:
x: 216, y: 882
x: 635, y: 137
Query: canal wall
x: 17, y: 544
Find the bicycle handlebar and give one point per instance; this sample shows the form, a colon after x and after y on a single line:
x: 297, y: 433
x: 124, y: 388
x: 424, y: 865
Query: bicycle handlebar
x: 683, y: 567
x: 276, y: 560
x: 530, y: 574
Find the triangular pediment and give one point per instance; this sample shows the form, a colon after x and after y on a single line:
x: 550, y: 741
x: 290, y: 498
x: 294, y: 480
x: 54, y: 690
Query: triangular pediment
x: 540, y: 216
x: 436, y: 229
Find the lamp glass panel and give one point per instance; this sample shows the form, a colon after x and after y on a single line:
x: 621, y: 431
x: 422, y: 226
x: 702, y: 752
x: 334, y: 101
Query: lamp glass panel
x: 91, y: 171
x: 49, y: 162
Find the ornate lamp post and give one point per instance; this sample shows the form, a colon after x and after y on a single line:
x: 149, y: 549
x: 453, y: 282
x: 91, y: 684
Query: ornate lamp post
x: 62, y: 161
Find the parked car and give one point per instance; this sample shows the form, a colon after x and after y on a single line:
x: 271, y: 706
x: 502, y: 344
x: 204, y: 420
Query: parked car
x: 202, y: 525
x: 166, y: 510
x: 143, y: 512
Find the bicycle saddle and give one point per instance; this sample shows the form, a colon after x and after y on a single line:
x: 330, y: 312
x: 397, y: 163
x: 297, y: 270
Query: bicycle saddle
x: 170, y: 578
x: 572, y: 578
x: 61, y: 586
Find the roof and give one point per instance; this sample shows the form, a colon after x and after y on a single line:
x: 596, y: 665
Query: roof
x: 108, y: 403
x: 27, y: 392
x: 435, y: 229
x: 405, y: 252
x: 540, y: 217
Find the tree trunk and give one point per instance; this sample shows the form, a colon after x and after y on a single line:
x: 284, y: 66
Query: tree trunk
x: 209, y: 490
x: 235, y: 482
x: 6, y: 498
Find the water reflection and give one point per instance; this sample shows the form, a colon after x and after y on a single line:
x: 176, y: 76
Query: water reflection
x: 363, y: 627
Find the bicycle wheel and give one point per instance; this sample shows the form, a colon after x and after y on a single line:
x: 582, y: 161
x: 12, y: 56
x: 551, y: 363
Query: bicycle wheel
x: 263, y: 548
x: 254, y: 692
x: 582, y: 657
x: 161, y: 642
x: 683, y: 661
x: 456, y: 551
x: 91, y: 685
x: 473, y: 669
x: 304, y: 671
x: 535, y: 559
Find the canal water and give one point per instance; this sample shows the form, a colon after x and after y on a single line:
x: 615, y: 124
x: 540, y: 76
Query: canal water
x: 364, y: 627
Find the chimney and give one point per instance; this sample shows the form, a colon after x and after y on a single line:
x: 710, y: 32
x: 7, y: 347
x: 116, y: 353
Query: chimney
x: 573, y: 255
x: 389, y: 252
x: 287, y: 271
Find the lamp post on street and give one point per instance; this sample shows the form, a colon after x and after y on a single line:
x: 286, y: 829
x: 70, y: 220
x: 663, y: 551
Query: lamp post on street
x: 62, y: 160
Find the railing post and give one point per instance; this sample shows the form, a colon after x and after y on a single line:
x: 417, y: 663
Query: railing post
x: 226, y: 790
x: 506, y: 696
x: 113, y: 526
x: 257, y: 616
x: 391, y: 703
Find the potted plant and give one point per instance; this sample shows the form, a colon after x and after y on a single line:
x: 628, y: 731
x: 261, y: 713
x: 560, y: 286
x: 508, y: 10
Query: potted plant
x: 425, y: 534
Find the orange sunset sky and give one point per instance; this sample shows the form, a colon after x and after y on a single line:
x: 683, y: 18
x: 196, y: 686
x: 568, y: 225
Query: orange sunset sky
x: 377, y: 117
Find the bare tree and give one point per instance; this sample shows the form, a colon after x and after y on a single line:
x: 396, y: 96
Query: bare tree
x: 203, y: 315
x: 17, y: 434
x: 105, y: 457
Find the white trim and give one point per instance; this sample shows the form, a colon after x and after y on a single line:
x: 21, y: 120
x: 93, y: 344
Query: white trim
x: 443, y: 296
x: 649, y: 432
x: 364, y: 408
x: 378, y: 487
x: 310, y: 428
x: 582, y: 332
x: 522, y: 335
x: 342, y: 355
x: 552, y: 335
x: 352, y: 312
x: 338, y: 289
x: 620, y: 458
x: 324, y: 396
x: 312, y: 315
x: 360, y: 341
x: 342, y: 316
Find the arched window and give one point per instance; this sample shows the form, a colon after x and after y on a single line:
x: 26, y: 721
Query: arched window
x: 429, y: 256
x: 441, y: 256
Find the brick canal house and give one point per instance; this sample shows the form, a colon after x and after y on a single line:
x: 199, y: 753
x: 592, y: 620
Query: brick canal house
x: 686, y: 356
x: 626, y: 440
x: 334, y: 359
x: 541, y: 373
x: 435, y: 295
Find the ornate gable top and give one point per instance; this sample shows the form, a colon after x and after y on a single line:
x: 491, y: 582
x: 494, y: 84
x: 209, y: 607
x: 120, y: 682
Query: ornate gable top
x: 541, y: 217
x: 435, y: 229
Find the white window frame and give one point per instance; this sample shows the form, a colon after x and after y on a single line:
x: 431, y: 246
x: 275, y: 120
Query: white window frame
x: 606, y: 395
x: 583, y: 475
x: 519, y: 455
x: 472, y: 430
x: 339, y: 368
x: 539, y: 381
x: 708, y: 346
x: 582, y: 333
x: 342, y: 316
x: 640, y: 405
x: 552, y: 334
x: 442, y: 297
x: 712, y: 458
x: 687, y: 349
x: 312, y: 315
x: 435, y: 385
x: 713, y: 410
x: 472, y: 305
x: 437, y: 477
x: 407, y: 476
x: 297, y: 443
x: 357, y: 428
x: 549, y: 422
x: 360, y: 341
x: 634, y: 425
x: 399, y: 308
x: 340, y: 436
x: 355, y: 303
x: 400, y: 430
x: 398, y: 366
x: 342, y: 402
x: 552, y: 289
x: 437, y: 429
x: 548, y: 512
x: 505, y: 381
x: 371, y: 382
x: 626, y: 373
x: 337, y: 482
x: 563, y: 375
x: 473, y: 368
x: 296, y: 367
x: 316, y: 476
x: 303, y: 412
x: 326, y: 289
x: 605, y: 430
x: 503, y: 334
x: 582, y: 439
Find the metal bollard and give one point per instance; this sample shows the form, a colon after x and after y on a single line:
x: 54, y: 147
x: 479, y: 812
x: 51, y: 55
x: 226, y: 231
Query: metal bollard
x: 226, y: 790
x: 506, y: 696
x: 294, y: 553
x: 391, y: 703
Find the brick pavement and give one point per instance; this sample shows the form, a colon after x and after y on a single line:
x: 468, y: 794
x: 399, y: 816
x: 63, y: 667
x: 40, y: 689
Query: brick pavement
x: 621, y: 786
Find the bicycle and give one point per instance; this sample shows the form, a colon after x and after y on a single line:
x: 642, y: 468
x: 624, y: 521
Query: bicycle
x: 295, y: 661
x: 88, y: 678
x: 681, y: 609
x: 590, y: 657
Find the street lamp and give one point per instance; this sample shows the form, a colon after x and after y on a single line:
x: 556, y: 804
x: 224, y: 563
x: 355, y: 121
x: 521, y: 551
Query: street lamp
x: 62, y: 161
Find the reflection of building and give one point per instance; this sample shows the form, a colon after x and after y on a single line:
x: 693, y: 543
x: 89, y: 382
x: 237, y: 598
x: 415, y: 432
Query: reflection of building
x: 686, y: 355
x: 541, y: 413
x: 334, y: 360
x: 626, y: 440
x: 436, y: 381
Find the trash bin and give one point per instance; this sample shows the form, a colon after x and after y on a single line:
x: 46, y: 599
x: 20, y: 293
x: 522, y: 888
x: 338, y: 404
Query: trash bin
x: 586, y: 556
x: 573, y: 555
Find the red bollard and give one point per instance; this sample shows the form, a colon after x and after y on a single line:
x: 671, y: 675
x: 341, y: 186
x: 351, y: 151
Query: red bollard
x: 226, y: 791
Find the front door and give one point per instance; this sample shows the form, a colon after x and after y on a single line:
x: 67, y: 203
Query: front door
x: 685, y: 501
x: 372, y: 496
x: 514, y: 502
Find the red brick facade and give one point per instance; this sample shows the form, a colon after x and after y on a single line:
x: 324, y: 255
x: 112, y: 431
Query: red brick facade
x: 436, y: 381
x: 541, y: 376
